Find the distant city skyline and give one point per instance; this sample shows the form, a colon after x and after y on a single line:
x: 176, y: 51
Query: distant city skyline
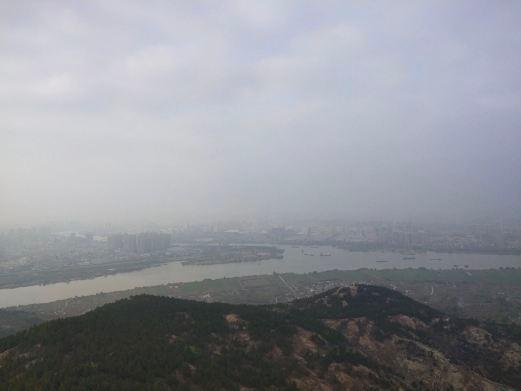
x: 145, y: 225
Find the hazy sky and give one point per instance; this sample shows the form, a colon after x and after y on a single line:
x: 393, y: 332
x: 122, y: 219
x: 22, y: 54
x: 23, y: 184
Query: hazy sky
x: 169, y: 111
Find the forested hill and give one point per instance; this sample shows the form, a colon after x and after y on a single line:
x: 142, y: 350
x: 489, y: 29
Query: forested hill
x: 359, y: 337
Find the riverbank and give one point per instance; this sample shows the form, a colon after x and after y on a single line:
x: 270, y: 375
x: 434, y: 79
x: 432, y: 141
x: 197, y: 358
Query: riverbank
x: 295, y: 260
x: 197, y: 255
x: 485, y: 294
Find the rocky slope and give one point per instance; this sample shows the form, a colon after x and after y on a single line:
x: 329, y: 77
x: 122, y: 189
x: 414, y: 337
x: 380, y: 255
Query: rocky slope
x: 360, y: 337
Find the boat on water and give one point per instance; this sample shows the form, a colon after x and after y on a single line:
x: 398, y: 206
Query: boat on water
x: 382, y: 261
x: 435, y: 259
x: 325, y: 254
x: 309, y: 254
x: 408, y: 258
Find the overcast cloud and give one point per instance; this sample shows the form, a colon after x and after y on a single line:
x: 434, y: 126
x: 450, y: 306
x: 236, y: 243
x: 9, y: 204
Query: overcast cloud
x: 176, y: 111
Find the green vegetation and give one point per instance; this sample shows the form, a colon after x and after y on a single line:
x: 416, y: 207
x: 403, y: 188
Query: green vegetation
x: 13, y: 321
x: 493, y: 294
x: 126, y: 346
x: 159, y: 343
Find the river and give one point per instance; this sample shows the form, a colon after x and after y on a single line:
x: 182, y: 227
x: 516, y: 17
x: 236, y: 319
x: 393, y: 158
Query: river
x: 296, y: 260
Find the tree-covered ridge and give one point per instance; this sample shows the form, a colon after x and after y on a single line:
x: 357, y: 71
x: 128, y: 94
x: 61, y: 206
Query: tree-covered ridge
x: 361, y: 335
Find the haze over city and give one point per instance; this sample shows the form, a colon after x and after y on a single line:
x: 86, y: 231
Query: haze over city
x: 192, y: 111
x: 260, y: 195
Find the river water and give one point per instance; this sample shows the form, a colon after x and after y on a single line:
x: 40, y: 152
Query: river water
x: 296, y: 260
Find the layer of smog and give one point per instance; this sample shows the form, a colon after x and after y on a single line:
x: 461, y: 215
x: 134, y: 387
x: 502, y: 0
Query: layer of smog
x: 260, y: 195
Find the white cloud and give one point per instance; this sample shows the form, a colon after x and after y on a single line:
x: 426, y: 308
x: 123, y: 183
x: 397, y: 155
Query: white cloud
x: 280, y: 106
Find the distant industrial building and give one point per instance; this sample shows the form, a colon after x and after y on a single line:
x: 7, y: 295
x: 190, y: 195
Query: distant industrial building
x: 142, y: 243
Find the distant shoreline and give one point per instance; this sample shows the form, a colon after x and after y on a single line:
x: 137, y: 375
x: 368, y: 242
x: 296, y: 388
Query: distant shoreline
x: 420, y: 283
x: 13, y: 280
